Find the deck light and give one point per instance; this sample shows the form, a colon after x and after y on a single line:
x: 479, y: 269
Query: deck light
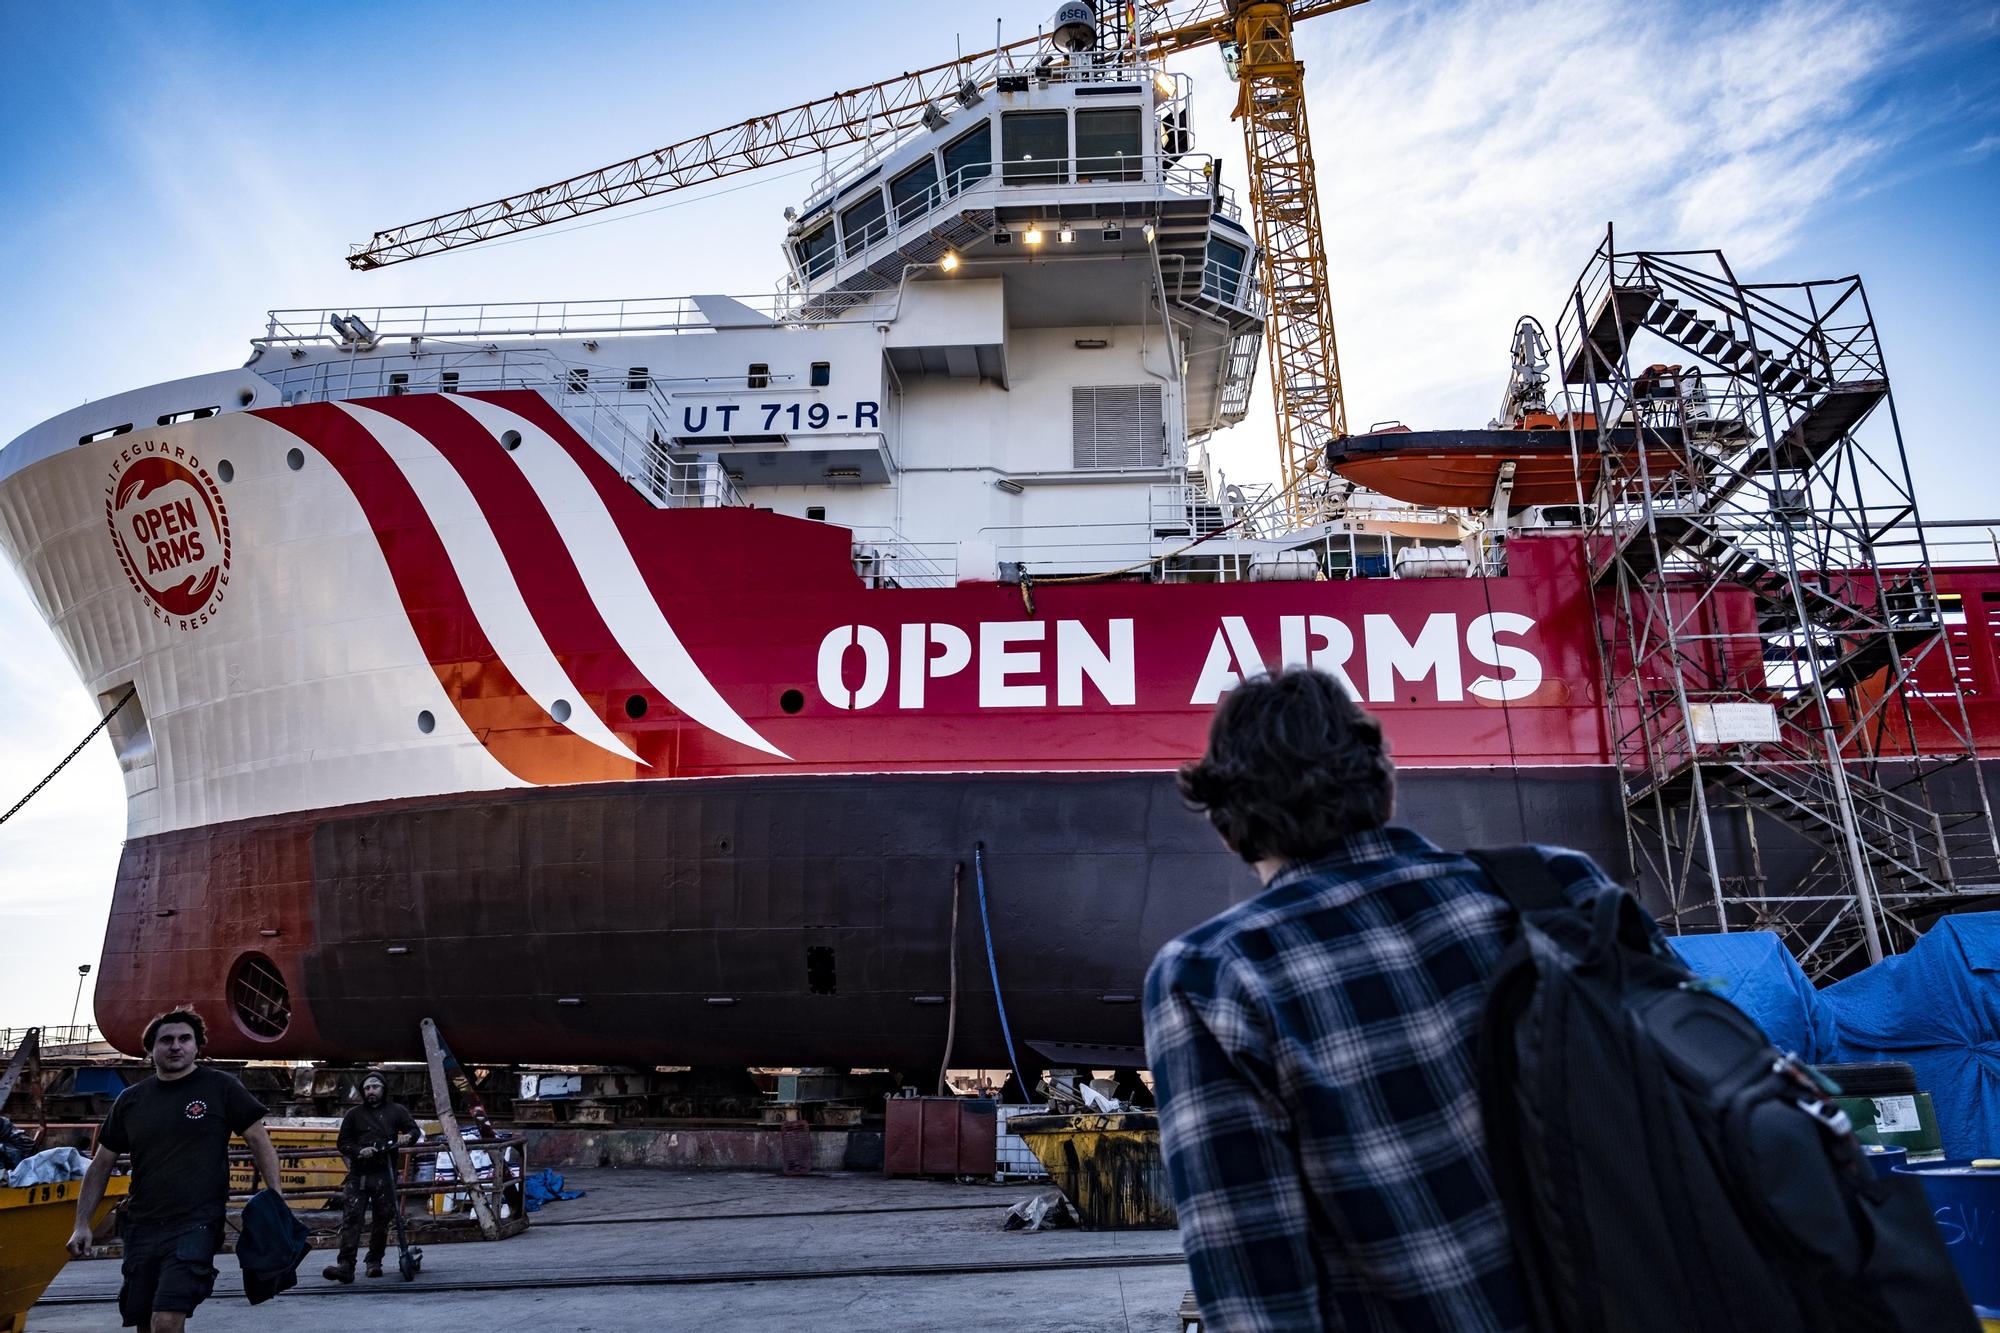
x: 1033, y: 236
x: 1164, y: 84
x: 1112, y: 233
x: 949, y: 262
x: 1149, y: 233
x: 1066, y: 235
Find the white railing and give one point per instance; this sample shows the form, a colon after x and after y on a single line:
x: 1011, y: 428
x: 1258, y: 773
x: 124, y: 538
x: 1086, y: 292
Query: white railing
x: 884, y: 559
x: 627, y: 426
x: 489, y: 320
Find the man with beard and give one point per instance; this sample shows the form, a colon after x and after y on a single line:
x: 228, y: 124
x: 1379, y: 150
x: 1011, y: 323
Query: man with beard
x: 368, y: 1134
x: 176, y: 1125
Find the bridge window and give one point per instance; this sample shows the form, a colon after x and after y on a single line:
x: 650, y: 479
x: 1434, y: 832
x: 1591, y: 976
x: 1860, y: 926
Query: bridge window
x: 863, y: 224
x: 822, y: 374
x: 637, y: 379
x: 1107, y: 145
x: 1223, y: 277
x: 968, y: 158
x: 759, y: 376
x: 1034, y: 147
x: 915, y: 192
x: 814, y: 250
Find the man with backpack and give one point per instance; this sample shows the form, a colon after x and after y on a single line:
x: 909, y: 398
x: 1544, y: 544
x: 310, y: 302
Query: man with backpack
x: 1408, y: 1089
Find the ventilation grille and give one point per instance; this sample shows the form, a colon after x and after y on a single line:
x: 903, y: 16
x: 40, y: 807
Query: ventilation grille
x: 1115, y: 426
x: 260, y: 998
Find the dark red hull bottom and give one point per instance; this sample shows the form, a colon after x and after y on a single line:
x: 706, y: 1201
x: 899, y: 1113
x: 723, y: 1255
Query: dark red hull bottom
x: 768, y: 921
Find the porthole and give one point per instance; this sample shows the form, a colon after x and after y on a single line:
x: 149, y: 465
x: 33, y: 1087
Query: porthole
x: 226, y: 470
x: 426, y: 723
x: 635, y: 707
x: 295, y: 459
x: 559, y: 710
x: 791, y: 701
x: 259, y: 1000
x: 510, y: 440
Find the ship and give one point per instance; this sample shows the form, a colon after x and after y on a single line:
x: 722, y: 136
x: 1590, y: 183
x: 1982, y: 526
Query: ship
x: 800, y: 678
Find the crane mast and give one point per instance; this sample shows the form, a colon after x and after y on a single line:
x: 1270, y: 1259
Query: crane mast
x: 1284, y: 200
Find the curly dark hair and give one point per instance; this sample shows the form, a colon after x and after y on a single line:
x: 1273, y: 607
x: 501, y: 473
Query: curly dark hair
x: 1293, y: 766
x: 184, y: 1014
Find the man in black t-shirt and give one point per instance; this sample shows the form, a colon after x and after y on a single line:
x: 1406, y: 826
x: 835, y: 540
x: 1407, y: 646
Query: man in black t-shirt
x: 176, y: 1125
x: 367, y: 1133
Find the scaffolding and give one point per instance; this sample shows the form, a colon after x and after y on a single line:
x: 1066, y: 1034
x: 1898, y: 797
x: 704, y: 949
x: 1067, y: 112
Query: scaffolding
x: 1789, y: 726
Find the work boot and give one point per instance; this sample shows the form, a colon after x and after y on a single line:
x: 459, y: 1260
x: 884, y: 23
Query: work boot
x: 341, y: 1271
x: 374, y: 1268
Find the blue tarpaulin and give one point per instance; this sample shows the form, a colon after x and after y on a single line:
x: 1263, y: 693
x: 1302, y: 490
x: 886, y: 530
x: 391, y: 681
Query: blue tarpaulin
x: 1938, y: 1008
x: 545, y: 1186
x: 1754, y: 970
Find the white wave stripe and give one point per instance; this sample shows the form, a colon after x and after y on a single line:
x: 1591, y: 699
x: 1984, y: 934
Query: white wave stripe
x: 482, y: 571
x: 616, y: 586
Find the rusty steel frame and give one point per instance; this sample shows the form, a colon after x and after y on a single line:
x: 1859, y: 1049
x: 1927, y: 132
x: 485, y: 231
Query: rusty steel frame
x: 1769, y: 492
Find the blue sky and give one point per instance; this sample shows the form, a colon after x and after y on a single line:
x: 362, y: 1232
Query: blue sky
x: 168, y: 172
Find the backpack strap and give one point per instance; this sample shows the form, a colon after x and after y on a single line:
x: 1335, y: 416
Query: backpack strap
x: 1522, y: 877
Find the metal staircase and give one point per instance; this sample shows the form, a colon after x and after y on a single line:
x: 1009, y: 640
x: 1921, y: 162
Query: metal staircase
x: 1768, y: 607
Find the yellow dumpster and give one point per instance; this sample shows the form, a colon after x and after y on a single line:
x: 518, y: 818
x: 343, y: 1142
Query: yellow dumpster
x: 1107, y: 1164
x: 35, y: 1222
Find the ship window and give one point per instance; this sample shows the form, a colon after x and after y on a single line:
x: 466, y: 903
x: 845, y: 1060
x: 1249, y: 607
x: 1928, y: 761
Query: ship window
x: 815, y: 250
x: 1107, y: 145
x: 1034, y: 147
x: 638, y: 379
x: 1115, y: 426
x: 399, y: 384
x: 449, y: 381
x: 822, y: 374
x: 579, y: 380
x: 759, y: 376
x: 863, y: 224
x: 968, y: 158
x: 1223, y: 276
x: 817, y: 513
x: 915, y: 191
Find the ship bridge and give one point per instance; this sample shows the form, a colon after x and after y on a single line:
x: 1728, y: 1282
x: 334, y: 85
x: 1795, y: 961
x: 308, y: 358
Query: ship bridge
x: 1074, y: 184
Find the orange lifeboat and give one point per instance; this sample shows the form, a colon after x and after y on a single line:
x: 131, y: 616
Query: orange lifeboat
x: 1458, y: 469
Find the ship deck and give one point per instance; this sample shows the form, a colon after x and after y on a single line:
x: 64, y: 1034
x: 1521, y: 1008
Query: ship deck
x: 645, y: 1249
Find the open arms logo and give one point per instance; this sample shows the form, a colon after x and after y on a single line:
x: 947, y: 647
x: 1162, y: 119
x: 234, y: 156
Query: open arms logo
x: 171, y: 531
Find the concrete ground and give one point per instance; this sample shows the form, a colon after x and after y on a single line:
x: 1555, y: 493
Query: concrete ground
x: 666, y: 1249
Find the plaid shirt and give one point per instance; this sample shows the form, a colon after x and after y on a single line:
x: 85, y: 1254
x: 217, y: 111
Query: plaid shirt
x: 1313, y: 1052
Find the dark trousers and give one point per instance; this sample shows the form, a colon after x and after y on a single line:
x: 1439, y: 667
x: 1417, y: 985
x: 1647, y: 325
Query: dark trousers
x: 365, y: 1190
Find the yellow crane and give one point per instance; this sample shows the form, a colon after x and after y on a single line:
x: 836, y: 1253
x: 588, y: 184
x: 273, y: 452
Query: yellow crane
x: 1256, y: 40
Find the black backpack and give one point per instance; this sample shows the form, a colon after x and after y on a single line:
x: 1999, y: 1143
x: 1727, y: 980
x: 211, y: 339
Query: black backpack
x: 1662, y: 1165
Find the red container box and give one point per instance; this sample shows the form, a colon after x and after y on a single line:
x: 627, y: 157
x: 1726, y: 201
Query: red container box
x: 939, y: 1136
